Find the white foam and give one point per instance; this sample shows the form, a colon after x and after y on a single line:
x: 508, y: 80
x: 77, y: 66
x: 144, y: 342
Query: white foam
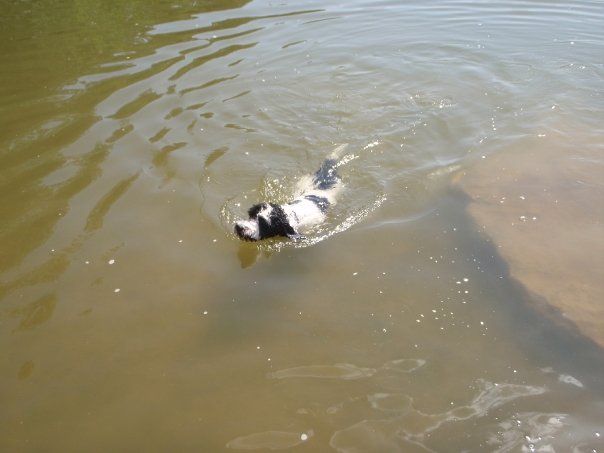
x: 568, y: 379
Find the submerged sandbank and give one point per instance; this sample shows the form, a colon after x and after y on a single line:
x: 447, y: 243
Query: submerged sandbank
x: 542, y: 204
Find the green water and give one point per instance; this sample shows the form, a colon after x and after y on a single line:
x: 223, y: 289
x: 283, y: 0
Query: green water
x: 132, y: 134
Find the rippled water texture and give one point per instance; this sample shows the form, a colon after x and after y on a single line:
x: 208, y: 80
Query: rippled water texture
x: 416, y: 318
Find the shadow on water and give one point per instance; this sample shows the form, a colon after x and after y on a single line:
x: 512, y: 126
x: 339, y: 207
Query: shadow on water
x: 36, y: 313
x: 248, y: 255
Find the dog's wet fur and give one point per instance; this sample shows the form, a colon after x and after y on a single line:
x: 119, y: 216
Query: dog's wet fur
x: 318, y: 193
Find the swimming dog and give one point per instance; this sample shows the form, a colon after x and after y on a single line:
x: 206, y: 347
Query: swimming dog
x: 316, y: 194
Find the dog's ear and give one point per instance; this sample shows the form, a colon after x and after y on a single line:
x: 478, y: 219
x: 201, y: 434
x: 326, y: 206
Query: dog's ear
x: 254, y: 210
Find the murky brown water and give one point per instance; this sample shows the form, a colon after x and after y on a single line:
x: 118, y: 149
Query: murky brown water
x: 133, y: 133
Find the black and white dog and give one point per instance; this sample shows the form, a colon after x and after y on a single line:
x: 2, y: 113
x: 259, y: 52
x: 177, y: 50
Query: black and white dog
x: 316, y: 194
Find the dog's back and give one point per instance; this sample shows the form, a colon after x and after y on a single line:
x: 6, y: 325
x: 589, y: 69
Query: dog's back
x: 317, y: 192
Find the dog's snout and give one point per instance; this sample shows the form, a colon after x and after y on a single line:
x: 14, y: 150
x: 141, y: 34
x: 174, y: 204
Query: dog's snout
x: 244, y: 232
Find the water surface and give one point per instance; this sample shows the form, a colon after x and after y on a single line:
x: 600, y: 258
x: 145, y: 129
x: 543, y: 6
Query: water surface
x: 133, y: 134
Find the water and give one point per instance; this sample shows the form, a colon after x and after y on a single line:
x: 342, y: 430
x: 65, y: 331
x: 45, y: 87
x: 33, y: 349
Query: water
x: 132, y: 135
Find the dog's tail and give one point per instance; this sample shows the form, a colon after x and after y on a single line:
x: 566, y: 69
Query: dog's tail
x: 326, y: 176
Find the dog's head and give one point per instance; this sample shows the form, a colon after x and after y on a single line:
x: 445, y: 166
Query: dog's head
x: 265, y: 220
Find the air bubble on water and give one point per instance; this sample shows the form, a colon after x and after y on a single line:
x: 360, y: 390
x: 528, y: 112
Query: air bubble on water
x: 303, y: 436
